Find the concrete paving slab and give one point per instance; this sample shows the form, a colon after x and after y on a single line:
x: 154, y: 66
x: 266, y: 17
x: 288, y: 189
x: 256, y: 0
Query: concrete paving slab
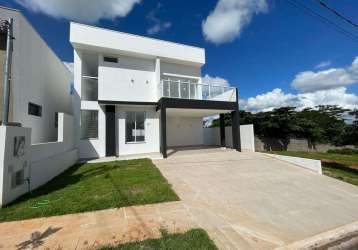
x: 275, y: 202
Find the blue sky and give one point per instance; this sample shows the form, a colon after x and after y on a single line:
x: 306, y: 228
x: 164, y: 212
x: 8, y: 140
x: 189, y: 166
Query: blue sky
x: 274, y: 53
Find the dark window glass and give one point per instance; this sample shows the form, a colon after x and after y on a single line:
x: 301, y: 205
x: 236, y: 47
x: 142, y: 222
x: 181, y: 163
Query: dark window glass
x: 17, y: 178
x: 89, y: 90
x: 3, y: 37
x: 135, y: 128
x: 56, y: 119
x: 89, y: 124
x: 110, y: 59
x: 34, y: 109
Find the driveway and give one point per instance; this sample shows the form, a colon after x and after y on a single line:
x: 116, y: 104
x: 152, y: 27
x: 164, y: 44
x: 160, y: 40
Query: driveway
x: 243, y: 200
x: 252, y: 201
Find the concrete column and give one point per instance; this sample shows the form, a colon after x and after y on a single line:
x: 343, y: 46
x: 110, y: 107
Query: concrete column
x: 236, y: 130
x: 157, y: 77
x: 163, y: 131
x: 222, y: 130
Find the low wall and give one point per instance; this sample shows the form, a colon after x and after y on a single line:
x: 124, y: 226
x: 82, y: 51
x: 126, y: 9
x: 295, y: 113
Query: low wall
x: 212, y: 137
x: 312, y: 165
x: 25, y: 167
x: 292, y: 144
x: 50, y: 159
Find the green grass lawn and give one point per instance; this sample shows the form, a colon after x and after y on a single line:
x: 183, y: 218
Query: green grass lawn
x: 196, y: 239
x: 88, y: 187
x: 346, y: 160
x: 342, y: 167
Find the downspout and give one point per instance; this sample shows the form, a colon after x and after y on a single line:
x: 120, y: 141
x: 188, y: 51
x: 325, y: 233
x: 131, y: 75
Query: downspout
x: 7, y: 70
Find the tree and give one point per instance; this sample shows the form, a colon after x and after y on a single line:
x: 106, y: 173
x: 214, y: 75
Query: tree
x: 320, y: 124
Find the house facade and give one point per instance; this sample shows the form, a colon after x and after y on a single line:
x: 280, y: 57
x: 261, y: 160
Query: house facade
x: 39, y: 82
x: 138, y: 95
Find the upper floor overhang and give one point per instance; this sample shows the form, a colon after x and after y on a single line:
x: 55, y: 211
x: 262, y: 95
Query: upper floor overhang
x: 101, y: 40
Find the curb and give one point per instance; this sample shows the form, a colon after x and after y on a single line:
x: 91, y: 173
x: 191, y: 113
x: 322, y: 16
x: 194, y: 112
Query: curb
x: 345, y: 237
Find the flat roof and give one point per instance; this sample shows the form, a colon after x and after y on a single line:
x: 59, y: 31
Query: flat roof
x: 89, y: 37
x: 7, y: 8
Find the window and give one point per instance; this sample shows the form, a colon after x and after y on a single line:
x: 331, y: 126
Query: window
x: 135, y: 131
x: 89, y: 124
x: 34, y: 109
x: 89, y: 90
x: 17, y: 178
x: 3, y: 37
x: 110, y: 59
x: 56, y: 119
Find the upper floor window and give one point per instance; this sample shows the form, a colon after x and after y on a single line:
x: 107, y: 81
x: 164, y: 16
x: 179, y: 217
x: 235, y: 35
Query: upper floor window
x: 34, y: 109
x: 110, y: 59
x: 89, y: 89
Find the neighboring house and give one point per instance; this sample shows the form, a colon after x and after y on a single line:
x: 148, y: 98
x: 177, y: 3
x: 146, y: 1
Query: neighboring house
x: 136, y: 95
x: 40, y: 83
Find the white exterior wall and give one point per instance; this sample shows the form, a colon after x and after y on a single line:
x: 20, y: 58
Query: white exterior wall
x: 40, y: 162
x: 93, y: 148
x: 312, y: 165
x: 51, y: 159
x: 38, y: 76
x: 152, y: 138
x: 94, y: 38
x: 247, y: 137
x: 88, y: 148
x: 9, y: 164
x: 184, y: 131
x: 131, y: 79
x: 180, y: 70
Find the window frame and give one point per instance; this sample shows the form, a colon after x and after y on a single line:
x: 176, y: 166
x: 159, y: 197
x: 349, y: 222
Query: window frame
x: 89, y: 138
x: 110, y: 59
x: 34, y: 105
x: 135, y: 127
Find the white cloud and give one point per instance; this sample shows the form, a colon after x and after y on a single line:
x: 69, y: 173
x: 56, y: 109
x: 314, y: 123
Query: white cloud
x: 309, y: 81
x: 268, y: 101
x: 207, y: 79
x: 229, y: 17
x: 81, y: 10
x: 159, y: 27
x: 158, y: 24
x: 277, y: 98
x: 323, y: 64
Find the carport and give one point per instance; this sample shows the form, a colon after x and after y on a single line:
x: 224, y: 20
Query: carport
x: 175, y: 108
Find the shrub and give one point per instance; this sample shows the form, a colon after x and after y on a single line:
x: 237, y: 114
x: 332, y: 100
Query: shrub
x: 343, y: 151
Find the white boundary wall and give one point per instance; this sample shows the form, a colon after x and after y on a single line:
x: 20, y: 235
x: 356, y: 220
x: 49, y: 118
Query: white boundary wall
x: 312, y: 165
x: 50, y: 159
x: 212, y: 137
x: 39, y: 162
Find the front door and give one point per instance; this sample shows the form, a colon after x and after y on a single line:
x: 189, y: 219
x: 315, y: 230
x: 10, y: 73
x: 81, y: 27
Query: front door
x: 110, y: 130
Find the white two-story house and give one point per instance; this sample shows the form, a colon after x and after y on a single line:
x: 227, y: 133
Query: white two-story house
x: 138, y: 95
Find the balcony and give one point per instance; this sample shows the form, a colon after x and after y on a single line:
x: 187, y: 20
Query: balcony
x: 194, y: 91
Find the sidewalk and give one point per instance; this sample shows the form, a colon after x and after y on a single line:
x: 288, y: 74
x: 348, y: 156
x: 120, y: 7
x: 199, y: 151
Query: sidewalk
x: 93, y: 229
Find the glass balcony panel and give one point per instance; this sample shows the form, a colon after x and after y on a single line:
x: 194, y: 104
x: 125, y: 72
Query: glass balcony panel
x: 194, y: 91
x: 188, y: 90
x: 184, y: 90
x: 205, y: 92
x: 166, y: 88
x: 174, y: 89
